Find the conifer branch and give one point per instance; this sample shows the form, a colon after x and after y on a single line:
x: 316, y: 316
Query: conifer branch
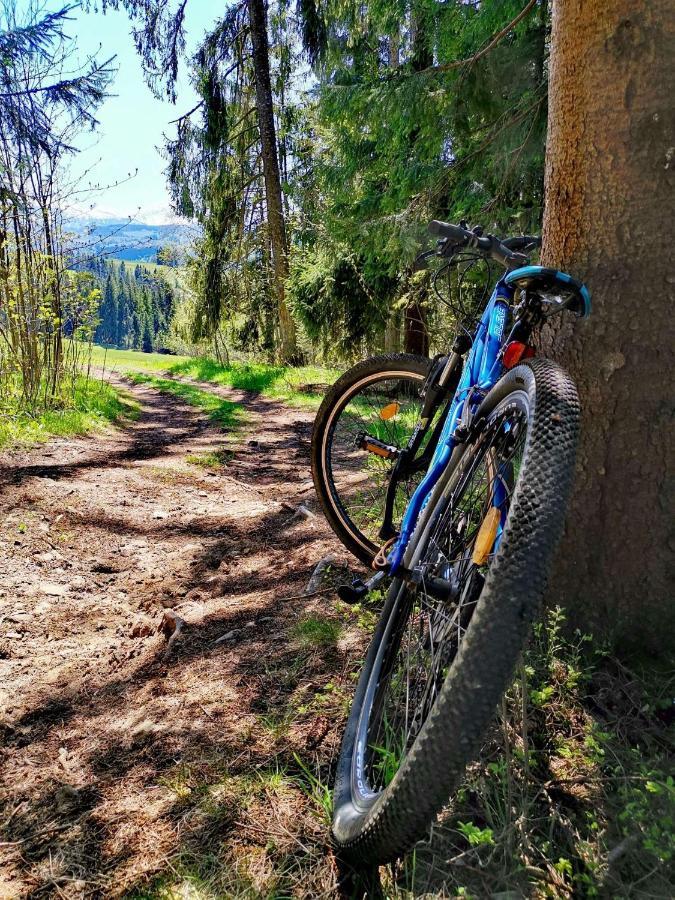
x: 460, y: 63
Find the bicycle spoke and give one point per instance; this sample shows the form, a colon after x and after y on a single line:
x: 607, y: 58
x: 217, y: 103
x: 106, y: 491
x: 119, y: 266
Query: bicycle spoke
x: 427, y: 642
x: 360, y: 477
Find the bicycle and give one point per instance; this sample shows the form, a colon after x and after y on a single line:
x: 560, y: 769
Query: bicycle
x: 449, y: 477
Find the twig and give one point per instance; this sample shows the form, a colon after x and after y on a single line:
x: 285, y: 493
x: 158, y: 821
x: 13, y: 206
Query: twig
x: 592, y: 779
x: 523, y: 720
x: 22, y: 805
x: 509, y: 773
x: 187, y: 114
x: 265, y: 831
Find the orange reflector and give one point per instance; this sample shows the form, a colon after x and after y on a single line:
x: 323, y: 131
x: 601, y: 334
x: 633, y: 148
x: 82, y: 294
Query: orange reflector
x: 486, y: 537
x: 389, y: 411
x: 514, y: 352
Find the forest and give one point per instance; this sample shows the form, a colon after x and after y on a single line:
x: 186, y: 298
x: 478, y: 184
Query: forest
x: 336, y: 544
x: 320, y: 147
x: 136, y: 309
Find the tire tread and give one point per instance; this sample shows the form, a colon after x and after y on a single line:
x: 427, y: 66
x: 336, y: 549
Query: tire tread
x: 515, y: 586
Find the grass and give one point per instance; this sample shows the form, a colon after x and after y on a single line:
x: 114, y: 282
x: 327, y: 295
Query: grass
x: 133, y: 360
x: 169, y: 273
x: 90, y: 405
x: 316, y: 789
x: 277, y: 724
x: 313, y: 631
x: 296, y: 386
x: 225, y: 413
x: 214, y: 460
x: 301, y: 386
x: 572, y: 794
x: 232, y: 844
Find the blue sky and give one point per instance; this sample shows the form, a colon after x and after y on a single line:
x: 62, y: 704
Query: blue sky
x: 132, y: 122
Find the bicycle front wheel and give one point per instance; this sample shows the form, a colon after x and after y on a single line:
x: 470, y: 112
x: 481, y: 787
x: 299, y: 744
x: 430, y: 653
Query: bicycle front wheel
x: 450, y: 635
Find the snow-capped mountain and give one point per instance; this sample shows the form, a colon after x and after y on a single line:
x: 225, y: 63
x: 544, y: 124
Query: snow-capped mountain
x: 126, y: 238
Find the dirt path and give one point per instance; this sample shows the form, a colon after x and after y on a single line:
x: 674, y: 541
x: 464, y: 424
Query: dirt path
x: 130, y: 766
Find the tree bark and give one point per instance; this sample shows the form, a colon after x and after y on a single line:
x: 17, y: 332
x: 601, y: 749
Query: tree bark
x: 395, y: 50
x: 415, y: 332
x: 608, y: 220
x: 392, y: 333
x: 257, y: 15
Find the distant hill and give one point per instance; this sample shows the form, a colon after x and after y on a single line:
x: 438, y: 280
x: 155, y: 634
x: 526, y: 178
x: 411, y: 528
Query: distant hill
x: 133, y: 241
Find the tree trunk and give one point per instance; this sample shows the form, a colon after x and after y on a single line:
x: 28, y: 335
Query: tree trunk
x: 275, y: 212
x: 392, y: 333
x: 415, y: 333
x: 395, y: 50
x: 608, y: 220
x: 416, y: 336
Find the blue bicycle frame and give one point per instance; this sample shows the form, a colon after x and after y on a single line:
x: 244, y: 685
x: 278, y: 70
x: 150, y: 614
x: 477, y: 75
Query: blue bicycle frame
x: 482, y: 369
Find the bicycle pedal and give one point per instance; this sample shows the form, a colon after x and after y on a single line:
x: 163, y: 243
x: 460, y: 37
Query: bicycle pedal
x: 359, y: 589
x: 354, y: 592
x: 379, y: 448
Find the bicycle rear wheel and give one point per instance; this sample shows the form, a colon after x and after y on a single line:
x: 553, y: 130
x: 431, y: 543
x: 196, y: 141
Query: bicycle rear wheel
x: 379, y: 399
x: 449, y: 637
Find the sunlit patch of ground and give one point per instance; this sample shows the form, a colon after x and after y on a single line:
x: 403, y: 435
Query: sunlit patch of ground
x: 202, y: 768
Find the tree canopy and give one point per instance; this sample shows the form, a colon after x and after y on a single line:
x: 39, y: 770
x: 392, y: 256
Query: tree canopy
x: 385, y: 114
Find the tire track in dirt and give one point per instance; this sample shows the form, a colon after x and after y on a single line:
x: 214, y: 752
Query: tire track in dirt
x: 110, y: 746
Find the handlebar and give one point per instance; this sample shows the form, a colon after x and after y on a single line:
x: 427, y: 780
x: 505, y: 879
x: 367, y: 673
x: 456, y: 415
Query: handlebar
x: 504, y: 252
x: 445, y: 230
x: 519, y: 242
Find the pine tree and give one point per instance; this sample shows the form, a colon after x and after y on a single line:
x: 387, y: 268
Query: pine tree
x: 147, y: 341
x: 127, y: 293
x: 106, y: 332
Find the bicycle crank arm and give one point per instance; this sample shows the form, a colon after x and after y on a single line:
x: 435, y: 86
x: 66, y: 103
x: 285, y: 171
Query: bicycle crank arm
x: 358, y: 589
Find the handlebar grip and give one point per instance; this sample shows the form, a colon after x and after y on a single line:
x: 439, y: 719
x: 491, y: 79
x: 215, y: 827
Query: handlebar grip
x: 521, y: 241
x: 445, y: 230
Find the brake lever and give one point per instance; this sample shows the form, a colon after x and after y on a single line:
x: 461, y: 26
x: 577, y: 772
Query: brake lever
x: 517, y: 260
x: 420, y: 263
x: 502, y: 254
x: 449, y: 248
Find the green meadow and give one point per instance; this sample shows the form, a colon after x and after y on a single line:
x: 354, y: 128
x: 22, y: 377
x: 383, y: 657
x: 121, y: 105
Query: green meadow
x: 297, y: 386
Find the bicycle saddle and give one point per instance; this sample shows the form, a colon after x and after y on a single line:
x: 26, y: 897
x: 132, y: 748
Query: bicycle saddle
x: 557, y: 290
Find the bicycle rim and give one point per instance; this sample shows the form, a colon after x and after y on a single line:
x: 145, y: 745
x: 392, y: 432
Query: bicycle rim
x: 385, y: 406
x: 425, y: 631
